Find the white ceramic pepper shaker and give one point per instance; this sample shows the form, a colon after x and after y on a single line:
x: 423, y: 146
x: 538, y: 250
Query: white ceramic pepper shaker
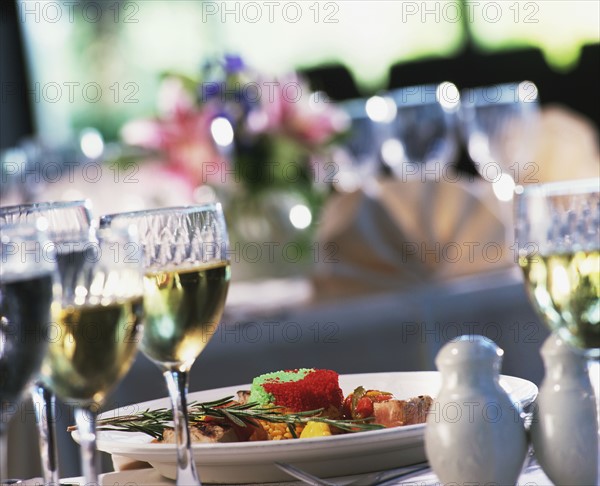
x: 474, y: 432
x: 564, y: 427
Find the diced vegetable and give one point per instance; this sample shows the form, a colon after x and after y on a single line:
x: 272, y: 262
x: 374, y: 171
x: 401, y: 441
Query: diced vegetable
x: 315, y: 429
x: 359, y: 404
x: 279, y: 430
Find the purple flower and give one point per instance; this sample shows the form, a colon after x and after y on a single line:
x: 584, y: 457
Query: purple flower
x: 233, y: 64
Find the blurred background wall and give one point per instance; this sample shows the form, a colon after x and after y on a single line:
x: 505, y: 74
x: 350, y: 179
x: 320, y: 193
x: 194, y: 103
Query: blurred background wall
x: 98, y: 64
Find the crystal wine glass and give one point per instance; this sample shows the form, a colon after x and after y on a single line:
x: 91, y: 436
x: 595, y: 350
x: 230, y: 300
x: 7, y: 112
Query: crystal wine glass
x: 558, y: 238
x: 98, y: 321
x: 185, y: 287
x: 422, y: 143
x: 27, y: 272
x: 358, y: 156
x: 68, y: 225
x: 499, y: 127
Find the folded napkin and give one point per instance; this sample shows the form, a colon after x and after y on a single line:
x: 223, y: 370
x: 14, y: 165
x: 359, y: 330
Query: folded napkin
x: 410, y: 233
x: 400, y: 234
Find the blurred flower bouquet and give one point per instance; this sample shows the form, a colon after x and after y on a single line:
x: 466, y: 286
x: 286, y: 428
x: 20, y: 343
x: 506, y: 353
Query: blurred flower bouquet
x: 260, y: 142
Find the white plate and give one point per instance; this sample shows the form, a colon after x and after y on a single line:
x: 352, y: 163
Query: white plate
x: 252, y: 462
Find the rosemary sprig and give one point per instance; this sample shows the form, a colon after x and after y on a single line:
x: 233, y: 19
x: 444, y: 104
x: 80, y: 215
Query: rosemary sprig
x: 253, y: 411
x: 150, y: 422
x: 153, y: 422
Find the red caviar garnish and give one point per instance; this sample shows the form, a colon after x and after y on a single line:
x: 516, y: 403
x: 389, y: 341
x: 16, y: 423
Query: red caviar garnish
x: 318, y: 389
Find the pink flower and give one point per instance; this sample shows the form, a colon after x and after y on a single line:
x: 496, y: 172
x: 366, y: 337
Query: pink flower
x: 181, y: 132
x: 288, y: 107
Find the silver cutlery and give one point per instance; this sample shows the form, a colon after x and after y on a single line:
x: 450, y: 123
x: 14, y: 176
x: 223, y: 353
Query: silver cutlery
x: 372, y: 479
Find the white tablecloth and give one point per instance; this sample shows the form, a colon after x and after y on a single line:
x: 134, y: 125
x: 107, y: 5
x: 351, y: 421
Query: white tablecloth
x: 532, y: 476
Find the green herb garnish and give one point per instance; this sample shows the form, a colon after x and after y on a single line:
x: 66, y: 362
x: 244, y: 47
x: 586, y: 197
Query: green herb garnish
x: 154, y: 422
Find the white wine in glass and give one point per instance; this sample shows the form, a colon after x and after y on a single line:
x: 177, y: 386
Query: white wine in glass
x: 186, y: 280
x: 98, y: 321
x: 558, y: 238
x: 194, y: 298
x: 565, y: 288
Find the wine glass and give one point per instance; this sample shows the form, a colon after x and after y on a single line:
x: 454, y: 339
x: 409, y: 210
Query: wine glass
x: 558, y: 239
x: 422, y: 143
x: 358, y: 156
x: 27, y: 272
x: 187, y: 277
x: 98, y: 322
x: 68, y: 225
x: 499, y: 127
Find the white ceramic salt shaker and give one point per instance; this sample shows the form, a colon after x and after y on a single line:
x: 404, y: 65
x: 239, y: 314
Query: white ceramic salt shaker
x: 564, y: 427
x: 474, y: 432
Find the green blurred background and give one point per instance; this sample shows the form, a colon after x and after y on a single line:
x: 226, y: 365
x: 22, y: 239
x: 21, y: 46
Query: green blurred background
x: 122, y: 46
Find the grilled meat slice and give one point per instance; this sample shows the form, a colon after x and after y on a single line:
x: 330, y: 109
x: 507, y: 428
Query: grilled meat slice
x: 394, y: 413
x: 205, y: 432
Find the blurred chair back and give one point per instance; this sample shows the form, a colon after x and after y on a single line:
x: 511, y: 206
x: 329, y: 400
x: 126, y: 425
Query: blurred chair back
x: 333, y: 79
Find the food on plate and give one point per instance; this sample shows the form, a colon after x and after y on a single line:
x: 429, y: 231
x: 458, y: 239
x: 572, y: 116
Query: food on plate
x: 360, y: 403
x: 396, y: 413
x: 289, y: 404
x: 315, y: 429
x: 299, y: 390
x: 207, y: 431
x: 384, y: 409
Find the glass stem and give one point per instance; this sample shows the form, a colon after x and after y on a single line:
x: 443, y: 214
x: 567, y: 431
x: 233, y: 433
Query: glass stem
x: 177, y: 382
x: 85, y: 419
x: 44, y: 404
